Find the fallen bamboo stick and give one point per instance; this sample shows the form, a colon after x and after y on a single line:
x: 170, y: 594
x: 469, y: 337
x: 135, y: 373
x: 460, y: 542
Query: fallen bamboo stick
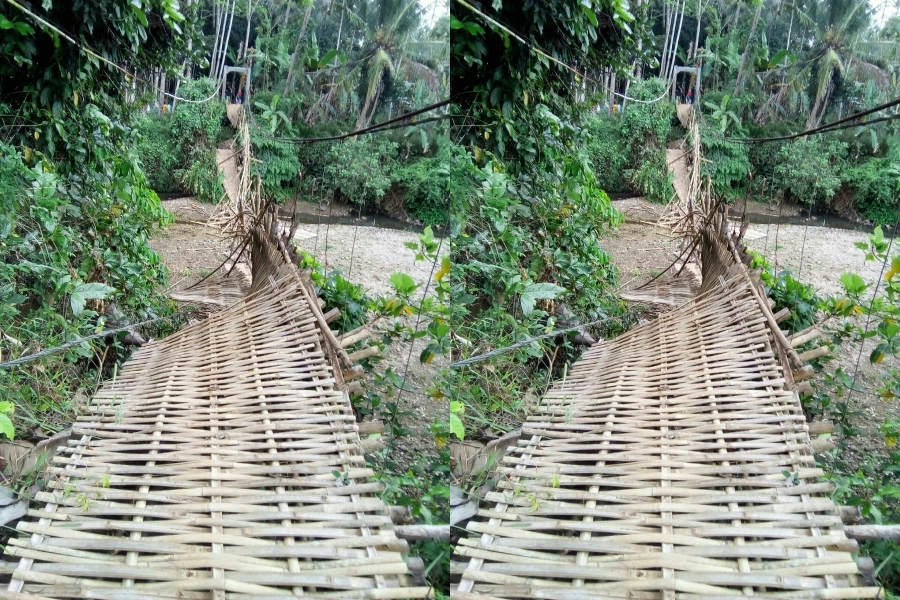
x: 804, y: 336
x: 367, y: 352
x: 332, y: 314
x: 820, y: 427
x: 889, y: 533
x: 352, y: 373
x: 423, y: 532
x: 355, y: 336
x: 372, y: 444
x: 804, y: 372
x: 822, y: 444
x: 370, y: 427
x: 850, y: 515
x: 817, y: 352
x: 782, y: 315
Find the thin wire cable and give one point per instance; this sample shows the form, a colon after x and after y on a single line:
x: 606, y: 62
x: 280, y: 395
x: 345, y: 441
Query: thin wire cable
x: 90, y: 52
x: 373, y: 128
x: 437, y: 257
x: 525, y: 342
x: 534, y: 48
x: 827, y: 128
x: 56, y: 349
x: 862, y: 341
x: 803, y: 245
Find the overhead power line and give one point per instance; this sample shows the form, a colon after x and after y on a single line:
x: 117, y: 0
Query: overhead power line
x: 81, y: 46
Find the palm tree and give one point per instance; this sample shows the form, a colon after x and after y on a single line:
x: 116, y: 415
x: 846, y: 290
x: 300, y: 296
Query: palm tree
x: 393, y: 47
x: 841, y: 49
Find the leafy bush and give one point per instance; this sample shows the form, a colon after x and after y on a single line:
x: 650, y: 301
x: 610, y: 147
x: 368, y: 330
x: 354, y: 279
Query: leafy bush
x: 193, y: 134
x: 424, y: 183
x: 360, y: 169
x: 278, y: 162
x: 645, y: 126
x: 157, y: 152
x: 62, y: 256
x: 650, y: 177
x: 810, y: 169
x: 875, y: 186
x: 788, y: 292
x: 728, y: 162
x: 605, y: 146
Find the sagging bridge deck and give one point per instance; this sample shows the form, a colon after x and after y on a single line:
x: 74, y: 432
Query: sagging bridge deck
x: 223, y: 462
x: 673, y: 462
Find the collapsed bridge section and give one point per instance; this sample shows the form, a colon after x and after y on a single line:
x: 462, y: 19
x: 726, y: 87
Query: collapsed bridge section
x: 222, y: 462
x: 671, y: 462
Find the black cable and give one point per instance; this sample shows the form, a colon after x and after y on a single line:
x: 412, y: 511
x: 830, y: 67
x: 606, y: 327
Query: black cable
x: 826, y: 128
x: 372, y: 129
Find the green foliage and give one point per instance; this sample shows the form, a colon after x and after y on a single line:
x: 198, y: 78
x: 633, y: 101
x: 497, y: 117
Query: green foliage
x: 424, y: 185
x: 193, y: 134
x: 645, y: 127
x: 788, y: 292
x: 157, y: 152
x: 60, y: 256
x: 338, y: 292
x: 650, y: 176
x: 727, y: 164
x: 810, y: 169
x: 606, y: 149
x: 279, y: 162
x: 360, y: 169
x: 647, y: 124
x: 178, y: 151
x: 875, y: 184
x: 75, y: 208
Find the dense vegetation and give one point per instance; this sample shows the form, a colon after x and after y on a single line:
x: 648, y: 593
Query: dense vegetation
x: 317, y: 72
x: 531, y: 211
x: 75, y: 207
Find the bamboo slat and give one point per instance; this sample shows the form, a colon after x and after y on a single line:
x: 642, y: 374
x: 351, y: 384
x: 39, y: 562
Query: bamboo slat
x: 221, y: 462
x: 671, y: 462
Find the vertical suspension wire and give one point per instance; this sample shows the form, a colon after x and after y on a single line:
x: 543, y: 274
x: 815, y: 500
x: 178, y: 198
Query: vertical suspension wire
x: 862, y: 341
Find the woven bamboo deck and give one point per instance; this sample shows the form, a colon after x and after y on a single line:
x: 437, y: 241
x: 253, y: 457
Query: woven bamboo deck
x: 222, y: 462
x: 672, y: 462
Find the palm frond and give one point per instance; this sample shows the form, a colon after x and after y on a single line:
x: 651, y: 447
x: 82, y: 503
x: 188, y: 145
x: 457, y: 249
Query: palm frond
x: 866, y: 71
x: 379, y: 63
x: 878, y: 50
x: 427, y: 50
x: 415, y: 71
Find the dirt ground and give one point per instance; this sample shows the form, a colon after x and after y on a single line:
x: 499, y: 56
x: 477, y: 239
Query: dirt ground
x: 365, y: 255
x: 816, y: 255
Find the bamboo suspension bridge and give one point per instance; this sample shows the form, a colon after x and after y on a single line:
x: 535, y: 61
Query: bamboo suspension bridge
x: 673, y: 462
x: 222, y: 462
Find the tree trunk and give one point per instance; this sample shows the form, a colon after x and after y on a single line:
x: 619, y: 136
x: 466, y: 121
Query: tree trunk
x: 213, y: 61
x: 664, y: 58
x: 224, y: 52
x: 737, y: 83
x: 674, y: 47
x: 249, y: 20
x: 699, y: 20
x: 290, y: 75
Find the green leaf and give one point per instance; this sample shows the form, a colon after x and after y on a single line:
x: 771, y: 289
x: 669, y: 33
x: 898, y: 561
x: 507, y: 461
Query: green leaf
x: 88, y: 291
x: 853, y: 283
x: 456, y: 427
x: 589, y: 13
x: 326, y: 60
x: 403, y: 283
x: 7, y: 428
x: 538, y: 291
x: 861, y: 245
